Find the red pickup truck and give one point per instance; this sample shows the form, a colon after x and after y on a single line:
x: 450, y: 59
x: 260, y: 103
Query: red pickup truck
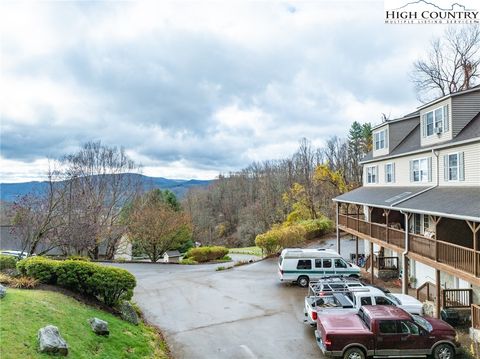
x: 384, y: 331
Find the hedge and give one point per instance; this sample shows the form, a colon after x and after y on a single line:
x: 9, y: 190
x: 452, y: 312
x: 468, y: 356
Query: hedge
x: 205, y: 254
x: 108, y: 284
x: 7, y: 262
x: 280, y: 237
x: 317, y: 227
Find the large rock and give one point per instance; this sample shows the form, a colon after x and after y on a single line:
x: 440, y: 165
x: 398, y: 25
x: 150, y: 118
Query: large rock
x: 128, y: 313
x: 99, y: 326
x: 3, y: 291
x: 51, y: 342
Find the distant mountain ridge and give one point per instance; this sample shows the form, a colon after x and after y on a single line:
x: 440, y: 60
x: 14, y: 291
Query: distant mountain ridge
x: 9, y: 192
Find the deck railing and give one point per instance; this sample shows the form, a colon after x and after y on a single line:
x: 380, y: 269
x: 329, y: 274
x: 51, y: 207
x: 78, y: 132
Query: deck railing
x: 422, y: 245
x: 457, y: 298
x: 475, y: 316
x: 453, y: 255
x: 456, y: 256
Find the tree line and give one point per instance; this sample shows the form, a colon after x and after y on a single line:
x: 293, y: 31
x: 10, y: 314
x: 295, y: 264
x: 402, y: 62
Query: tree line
x: 239, y: 206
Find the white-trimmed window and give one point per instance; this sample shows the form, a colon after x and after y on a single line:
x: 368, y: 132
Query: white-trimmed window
x: 372, y: 174
x: 435, y: 121
x: 421, y: 170
x: 454, y: 167
x: 380, y: 139
x: 389, y: 172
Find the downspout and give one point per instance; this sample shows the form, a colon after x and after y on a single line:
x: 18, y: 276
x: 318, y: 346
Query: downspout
x: 405, y: 252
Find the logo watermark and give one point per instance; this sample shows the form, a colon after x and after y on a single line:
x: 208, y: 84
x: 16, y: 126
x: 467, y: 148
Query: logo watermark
x: 432, y: 12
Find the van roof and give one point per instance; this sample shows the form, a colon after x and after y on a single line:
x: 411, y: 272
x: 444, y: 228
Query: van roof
x: 309, y: 252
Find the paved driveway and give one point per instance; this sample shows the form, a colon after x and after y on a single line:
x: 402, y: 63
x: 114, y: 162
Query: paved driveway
x: 243, y: 312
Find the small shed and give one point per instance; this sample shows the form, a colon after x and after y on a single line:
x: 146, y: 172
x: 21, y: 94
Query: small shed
x: 171, y: 257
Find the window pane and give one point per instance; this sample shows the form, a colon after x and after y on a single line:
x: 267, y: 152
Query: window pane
x: 318, y: 263
x: 366, y: 301
x: 388, y: 326
x: 429, y: 123
x: 327, y: 263
x: 339, y: 263
x: 439, y: 117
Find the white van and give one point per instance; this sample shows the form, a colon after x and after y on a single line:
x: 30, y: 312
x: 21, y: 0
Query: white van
x: 303, y: 265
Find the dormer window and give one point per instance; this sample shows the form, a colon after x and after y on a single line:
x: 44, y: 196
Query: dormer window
x: 380, y: 139
x: 435, y: 121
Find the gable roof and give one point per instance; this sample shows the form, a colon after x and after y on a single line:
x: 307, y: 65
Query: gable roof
x: 411, y: 141
x: 172, y: 254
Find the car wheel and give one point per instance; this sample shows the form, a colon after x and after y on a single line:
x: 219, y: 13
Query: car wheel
x: 354, y: 353
x: 443, y: 351
x: 303, y: 281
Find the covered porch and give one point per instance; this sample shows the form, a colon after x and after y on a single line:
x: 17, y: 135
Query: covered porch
x: 399, y: 219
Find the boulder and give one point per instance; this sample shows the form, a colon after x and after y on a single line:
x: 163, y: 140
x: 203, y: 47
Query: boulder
x: 128, y: 313
x: 51, y: 342
x: 99, y: 326
x: 3, y: 291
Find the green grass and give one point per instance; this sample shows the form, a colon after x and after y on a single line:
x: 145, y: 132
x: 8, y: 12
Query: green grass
x: 24, y: 312
x: 254, y: 251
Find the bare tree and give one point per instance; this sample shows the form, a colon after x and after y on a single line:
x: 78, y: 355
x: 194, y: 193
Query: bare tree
x: 101, y: 180
x: 38, y: 220
x: 451, y: 65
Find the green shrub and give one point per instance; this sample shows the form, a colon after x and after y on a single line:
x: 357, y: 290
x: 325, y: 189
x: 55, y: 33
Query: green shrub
x: 79, y: 258
x: 41, y: 268
x: 74, y: 274
x: 188, y: 261
x: 280, y: 237
x: 108, y: 284
x: 206, y: 254
x: 317, y: 227
x: 7, y: 262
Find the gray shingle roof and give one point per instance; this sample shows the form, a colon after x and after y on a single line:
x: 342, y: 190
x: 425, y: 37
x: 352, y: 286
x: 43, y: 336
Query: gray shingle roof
x: 454, y: 202
x: 378, y: 196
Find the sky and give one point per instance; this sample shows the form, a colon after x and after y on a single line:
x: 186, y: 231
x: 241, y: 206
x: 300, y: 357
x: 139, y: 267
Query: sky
x: 194, y: 89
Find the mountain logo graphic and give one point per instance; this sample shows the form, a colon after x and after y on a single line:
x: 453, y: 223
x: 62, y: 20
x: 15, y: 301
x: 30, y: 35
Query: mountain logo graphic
x: 452, y: 7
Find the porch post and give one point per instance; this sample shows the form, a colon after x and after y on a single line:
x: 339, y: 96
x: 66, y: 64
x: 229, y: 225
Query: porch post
x: 435, y: 221
x: 338, y: 229
x: 386, y: 212
x: 404, y: 257
x: 437, y: 294
x: 370, y: 209
x: 356, y: 250
x: 371, y: 263
x: 475, y: 227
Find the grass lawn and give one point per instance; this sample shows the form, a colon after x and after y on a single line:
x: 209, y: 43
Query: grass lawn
x: 255, y: 251
x: 24, y: 312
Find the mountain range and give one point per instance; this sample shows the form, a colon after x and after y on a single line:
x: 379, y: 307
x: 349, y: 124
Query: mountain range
x: 11, y: 191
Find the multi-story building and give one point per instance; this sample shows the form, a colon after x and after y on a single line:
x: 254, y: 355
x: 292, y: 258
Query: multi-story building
x: 420, y: 199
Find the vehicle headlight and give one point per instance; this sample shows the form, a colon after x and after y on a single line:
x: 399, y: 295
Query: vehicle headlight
x: 456, y: 337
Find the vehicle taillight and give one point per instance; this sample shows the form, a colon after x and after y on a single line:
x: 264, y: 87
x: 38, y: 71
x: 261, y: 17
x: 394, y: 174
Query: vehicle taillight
x: 314, y: 315
x: 327, y: 342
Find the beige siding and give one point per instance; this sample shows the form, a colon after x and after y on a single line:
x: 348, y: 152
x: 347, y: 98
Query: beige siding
x: 402, y: 171
x: 383, y: 151
x: 471, y: 159
x: 436, y: 139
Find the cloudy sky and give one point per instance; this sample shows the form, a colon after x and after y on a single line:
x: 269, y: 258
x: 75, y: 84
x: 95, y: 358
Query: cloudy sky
x: 192, y: 89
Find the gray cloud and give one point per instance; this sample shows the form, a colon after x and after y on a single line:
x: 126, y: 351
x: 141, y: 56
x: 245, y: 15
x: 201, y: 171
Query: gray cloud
x: 160, y: 93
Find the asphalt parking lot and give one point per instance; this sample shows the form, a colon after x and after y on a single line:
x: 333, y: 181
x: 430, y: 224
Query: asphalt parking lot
x: 244, y: 312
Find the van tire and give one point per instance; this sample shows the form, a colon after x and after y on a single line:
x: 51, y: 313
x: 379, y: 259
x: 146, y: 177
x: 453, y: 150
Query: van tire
x: 354, y: 353
x: 354, y: 276
x: 302, y: 281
